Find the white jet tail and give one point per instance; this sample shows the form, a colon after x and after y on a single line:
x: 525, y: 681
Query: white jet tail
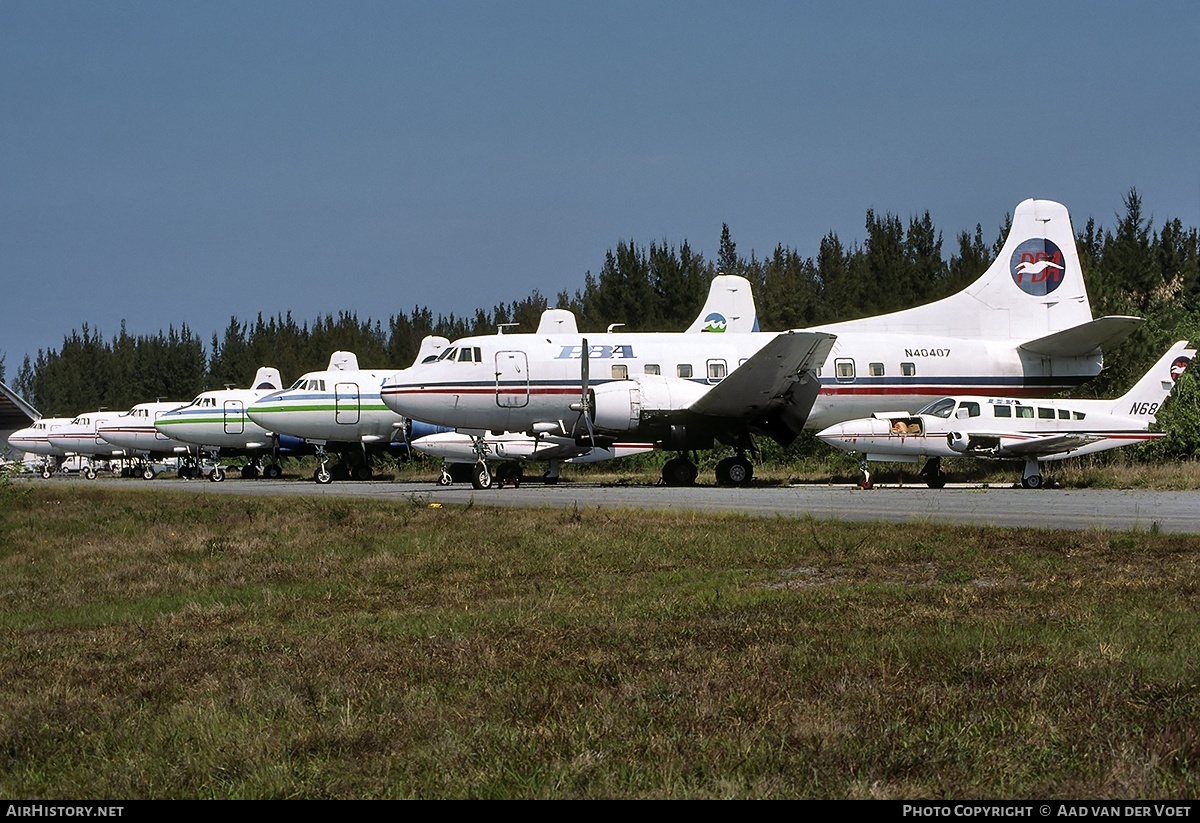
x: 268, y: 377
x: 1147, y: 396
x: 729, y: 308
x: 1032, y: 294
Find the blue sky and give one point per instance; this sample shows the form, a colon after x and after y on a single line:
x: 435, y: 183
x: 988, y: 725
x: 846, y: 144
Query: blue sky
x: 169, y: 163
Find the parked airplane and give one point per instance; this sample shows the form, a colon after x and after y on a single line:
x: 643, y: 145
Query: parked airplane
x: 1008, y: 428
x: 513, y: 450
x: 35, y: 439
x: 729, y: 307
x: 1025, y: 327
x: 217, y: 424
x: 339, y: 410
x: 81, y: 437
x: 133, y: 435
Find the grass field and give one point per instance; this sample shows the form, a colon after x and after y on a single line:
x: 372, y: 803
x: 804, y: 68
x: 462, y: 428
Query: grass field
x: 170, y: 646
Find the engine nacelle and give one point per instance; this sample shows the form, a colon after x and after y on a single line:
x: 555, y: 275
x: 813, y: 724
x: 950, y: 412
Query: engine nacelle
x: 621, y: 405
x: 957, y: 441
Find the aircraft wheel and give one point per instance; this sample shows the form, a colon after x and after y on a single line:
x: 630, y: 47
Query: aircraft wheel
x: 148, y: 473
x: 445, y: 479
x: 938, y: 481
x: 45, y: 473
x: 1033, y: 481
x: 249, y: 472
x: 89, y: 473
x: 679, y: 471
x: 549, y: 480
x: 361, y: 473
x: 272, y: 472
x: 481, y: 477
x: 734, y: 471
x: 217, y: 475
x: 322, y: 475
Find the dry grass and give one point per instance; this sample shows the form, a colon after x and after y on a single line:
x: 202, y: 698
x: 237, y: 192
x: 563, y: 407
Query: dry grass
x: 167, y: 646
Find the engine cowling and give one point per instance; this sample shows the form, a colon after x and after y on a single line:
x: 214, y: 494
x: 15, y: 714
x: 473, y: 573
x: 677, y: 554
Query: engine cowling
x: 621, y: 405
x: 957, y: 441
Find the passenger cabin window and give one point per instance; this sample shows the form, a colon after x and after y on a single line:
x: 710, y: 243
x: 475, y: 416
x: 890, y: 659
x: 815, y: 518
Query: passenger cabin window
x: 875, y: 369
x: 908, y: 369
x: 1079, y: 415
x: 652, y: 368
x: 843, y: 369
x: 1045, y: 414
x: 684, y: 370
x: 1025, y: 412
x: 620, y: 372
x: 717, y: 371
x: 1002, y: 411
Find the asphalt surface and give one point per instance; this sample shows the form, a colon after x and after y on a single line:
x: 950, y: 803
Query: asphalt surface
x: 1176, y: 512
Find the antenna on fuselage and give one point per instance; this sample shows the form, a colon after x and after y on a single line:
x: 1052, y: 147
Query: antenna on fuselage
x: 500, y: 327
x: 612, y: 326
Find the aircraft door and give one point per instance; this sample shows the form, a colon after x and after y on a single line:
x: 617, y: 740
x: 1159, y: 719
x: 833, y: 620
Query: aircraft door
x: 512, y: 379
x: 234, y: 417
x: 345, y: 403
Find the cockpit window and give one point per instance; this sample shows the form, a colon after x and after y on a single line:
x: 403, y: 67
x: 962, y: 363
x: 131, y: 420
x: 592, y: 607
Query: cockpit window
x: 448, y: 354
x: 939, y: 408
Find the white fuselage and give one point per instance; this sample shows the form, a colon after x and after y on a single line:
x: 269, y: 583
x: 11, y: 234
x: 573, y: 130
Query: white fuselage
x: 516, y: 382
x: 991, y: 427
x: 81, y: 436
x: 134, y: 433
x: 330, y: 407
x: 35, y: 438
x: 218, y: 420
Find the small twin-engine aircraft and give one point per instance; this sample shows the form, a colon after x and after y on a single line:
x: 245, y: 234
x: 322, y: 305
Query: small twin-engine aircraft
x: 339, y: 410
x: 1024, y: 328
x: 1008, y: 428
x: 216, y: 422
x: 511, y: 451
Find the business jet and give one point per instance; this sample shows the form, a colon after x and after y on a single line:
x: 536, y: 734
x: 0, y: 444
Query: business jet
x: 35, y: 439
x: 1023, y: 328
x: 216, y: 423
x: 1009, y: 428
x: 339, y: 410
x: 134, y: 437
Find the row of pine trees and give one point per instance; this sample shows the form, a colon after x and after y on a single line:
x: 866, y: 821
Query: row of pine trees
x: 1132, y: 268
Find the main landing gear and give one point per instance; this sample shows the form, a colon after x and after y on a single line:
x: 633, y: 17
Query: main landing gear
x: 932, y: 472
x: 1032, y: 477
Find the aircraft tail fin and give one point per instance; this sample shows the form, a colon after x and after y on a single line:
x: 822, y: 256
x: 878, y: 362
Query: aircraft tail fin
x: 1148, y: 395
x: 729, y: 307
x: 431, y: 347
x: 268, y: 377
x: 1032, y: 289
x: 343, y: 361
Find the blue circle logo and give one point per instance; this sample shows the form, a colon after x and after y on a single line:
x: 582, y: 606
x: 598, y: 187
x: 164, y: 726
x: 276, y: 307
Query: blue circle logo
x: 1037, y: 266
x: 715, y: 323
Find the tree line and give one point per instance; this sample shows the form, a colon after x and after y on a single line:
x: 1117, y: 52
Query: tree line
x: 1132, y: 268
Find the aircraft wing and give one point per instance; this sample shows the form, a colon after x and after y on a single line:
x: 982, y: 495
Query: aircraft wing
x: 1006, y: 444
x: 775, y: 387
x: 1086, y: 338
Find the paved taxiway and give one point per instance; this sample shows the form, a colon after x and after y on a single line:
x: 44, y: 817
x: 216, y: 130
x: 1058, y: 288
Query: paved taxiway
x: 1115, y: 510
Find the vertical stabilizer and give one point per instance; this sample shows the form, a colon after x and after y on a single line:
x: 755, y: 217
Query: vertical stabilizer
x: 729, y: 308
x: 268, y: 377
x: 343, y: 361
x: 1032, y: 289
x: 1148, y: 395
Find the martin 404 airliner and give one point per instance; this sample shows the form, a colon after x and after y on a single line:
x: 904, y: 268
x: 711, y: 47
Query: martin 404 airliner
x: 1008, y: 428
x: 1024, y: 328
x: 35, y: 439
x: 729, y: 308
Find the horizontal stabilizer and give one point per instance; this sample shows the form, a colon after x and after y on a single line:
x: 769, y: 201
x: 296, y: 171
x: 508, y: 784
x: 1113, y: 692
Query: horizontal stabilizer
x: 1085, y: 339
